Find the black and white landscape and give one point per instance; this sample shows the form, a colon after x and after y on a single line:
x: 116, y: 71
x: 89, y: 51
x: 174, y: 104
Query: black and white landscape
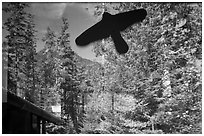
x: 131, y: 74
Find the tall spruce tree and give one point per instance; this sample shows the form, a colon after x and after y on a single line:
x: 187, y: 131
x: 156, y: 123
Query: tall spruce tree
x: 159, y: 67
x: 21, y: 50
x: 45, y: 71
x: 70, y: 84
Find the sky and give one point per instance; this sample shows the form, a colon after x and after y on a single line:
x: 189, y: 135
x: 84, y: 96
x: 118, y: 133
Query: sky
x: 79, y: 15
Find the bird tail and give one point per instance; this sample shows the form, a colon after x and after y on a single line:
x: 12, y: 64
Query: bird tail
x: 120, y: 44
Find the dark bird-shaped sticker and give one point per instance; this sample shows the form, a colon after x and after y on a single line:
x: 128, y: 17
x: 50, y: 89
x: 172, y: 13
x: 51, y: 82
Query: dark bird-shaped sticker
x: 112, y: 25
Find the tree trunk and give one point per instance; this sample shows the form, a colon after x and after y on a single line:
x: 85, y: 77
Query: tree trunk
x: 33, y: 87
x: 167, y: 84
x: 83, y: 103
x: 112, y: 107
x: 16, y: 71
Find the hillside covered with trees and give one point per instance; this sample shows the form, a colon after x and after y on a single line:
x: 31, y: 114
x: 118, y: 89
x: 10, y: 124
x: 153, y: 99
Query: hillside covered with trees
x: 155, y: 88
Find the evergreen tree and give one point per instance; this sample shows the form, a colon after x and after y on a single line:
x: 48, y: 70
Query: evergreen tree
x: 70, y: 79
x: 46, y: 73
x: 158, y: 68
x: 21, y: 50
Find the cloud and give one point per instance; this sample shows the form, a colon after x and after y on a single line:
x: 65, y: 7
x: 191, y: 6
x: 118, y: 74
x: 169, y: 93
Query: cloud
x: 49, y: 10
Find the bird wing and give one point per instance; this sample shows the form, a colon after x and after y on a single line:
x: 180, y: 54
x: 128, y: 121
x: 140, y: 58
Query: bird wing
x: 94, y: 33
x: 120, y: 45
x: 127, y: 19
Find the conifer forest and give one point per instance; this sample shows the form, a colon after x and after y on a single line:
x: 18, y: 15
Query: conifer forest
x: 154, y: 88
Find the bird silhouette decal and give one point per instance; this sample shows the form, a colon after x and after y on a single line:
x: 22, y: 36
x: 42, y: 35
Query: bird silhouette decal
x: 112, y: 25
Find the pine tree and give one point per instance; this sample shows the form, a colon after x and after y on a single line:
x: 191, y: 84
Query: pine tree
x: 21, y: 50
x: 70, y: 79
x: 158, y: 67
x: 45, y: 71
